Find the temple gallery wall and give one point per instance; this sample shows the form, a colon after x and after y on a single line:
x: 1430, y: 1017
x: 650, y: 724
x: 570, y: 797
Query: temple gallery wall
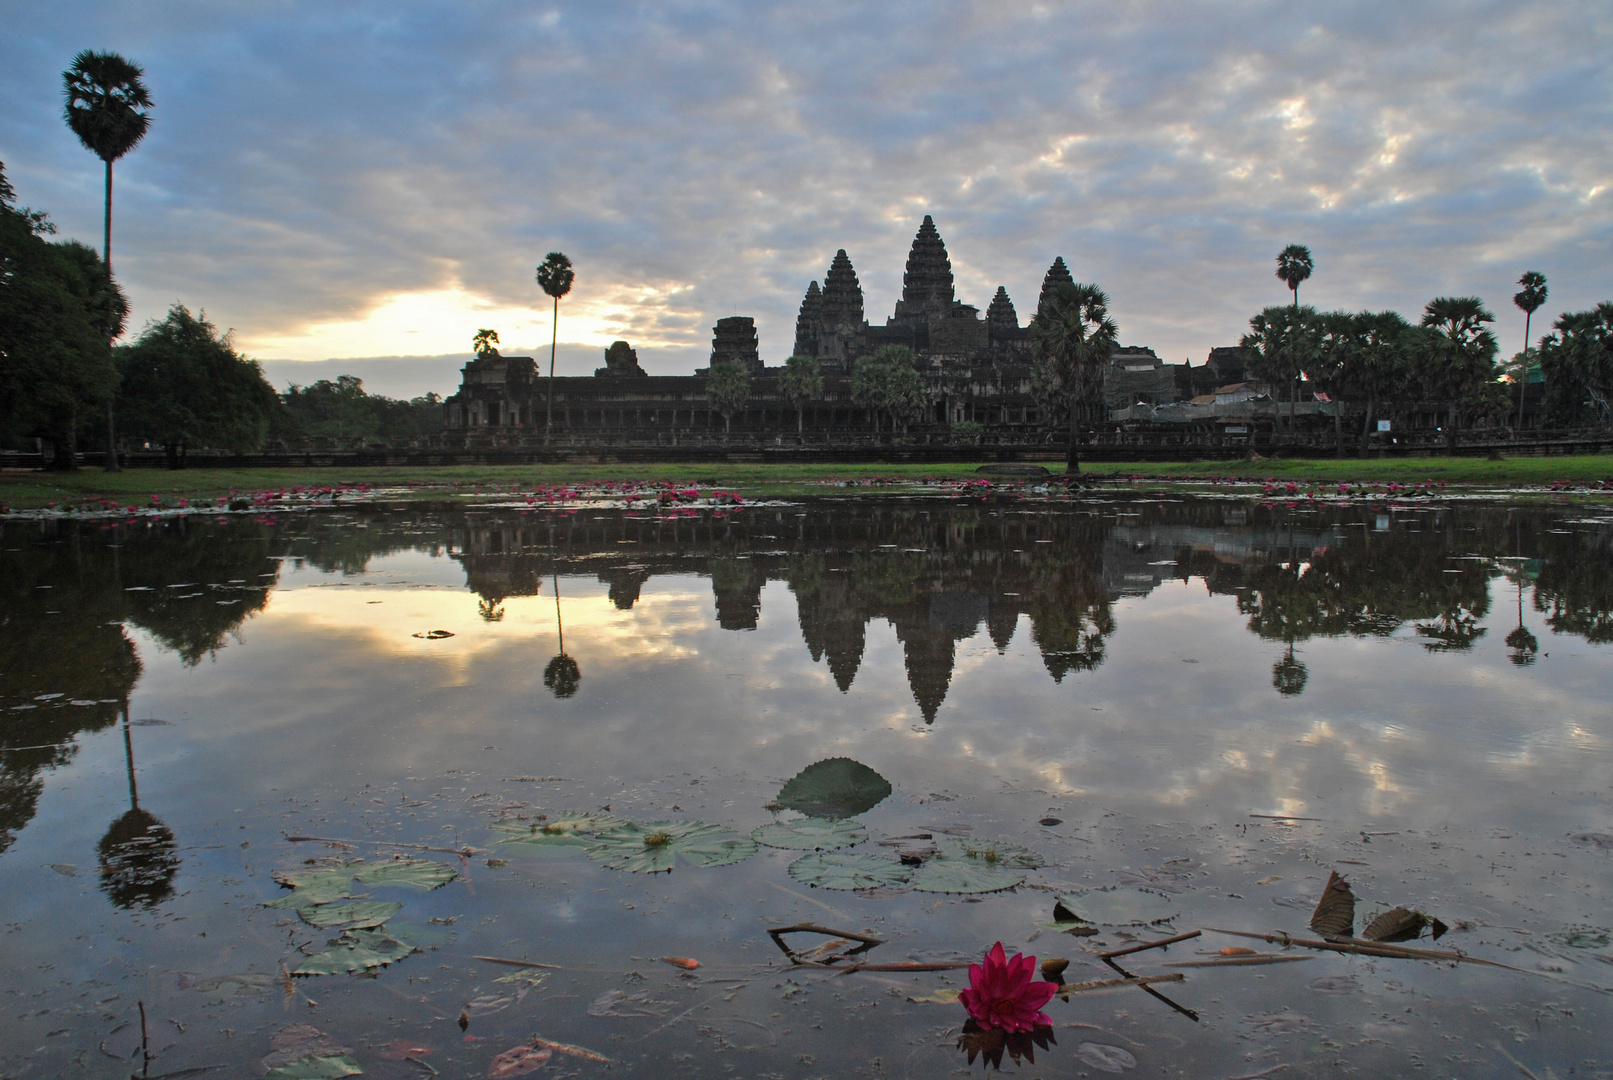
x: 977, y: 369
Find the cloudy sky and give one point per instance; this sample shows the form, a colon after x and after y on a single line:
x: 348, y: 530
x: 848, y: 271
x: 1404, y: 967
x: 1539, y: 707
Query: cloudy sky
x: 371, y: 183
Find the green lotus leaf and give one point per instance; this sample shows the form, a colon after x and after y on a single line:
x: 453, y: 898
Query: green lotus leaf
x: 356, y: 950
x: 958, y: 871
x: 352, y: 915
x: 316, y: 1068
x: 834, y: 788
x: 658, y: 845
x: 848, y: 870
x: 1119, y: 907
x: 810, y: 834
x: 422, y: 874
x: 312, y: 887
x: 562, y: 834
x: 1013, y: 856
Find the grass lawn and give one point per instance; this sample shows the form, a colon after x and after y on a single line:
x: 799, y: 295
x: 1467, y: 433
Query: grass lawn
x: 24, y: 490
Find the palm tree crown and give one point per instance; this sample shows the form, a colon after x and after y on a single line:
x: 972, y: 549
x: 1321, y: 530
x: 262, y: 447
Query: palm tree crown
x: 556, y: 275
x: 1294, y: 265
x: 107, y: 104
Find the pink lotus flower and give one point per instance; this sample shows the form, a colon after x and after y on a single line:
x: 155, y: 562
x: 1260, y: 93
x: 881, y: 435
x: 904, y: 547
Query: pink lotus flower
x: 1002, y: 995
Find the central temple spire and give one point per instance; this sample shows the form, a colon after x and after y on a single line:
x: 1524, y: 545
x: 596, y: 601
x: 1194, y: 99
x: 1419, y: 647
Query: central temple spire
x: 927, y: 282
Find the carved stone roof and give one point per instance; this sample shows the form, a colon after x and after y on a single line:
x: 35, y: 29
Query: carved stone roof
x: 1057, y: 274
x: 809, y: 322
x: 927, y: 282
x: 733, y: 341
x: 842, y: 294
x: 1001, y: 314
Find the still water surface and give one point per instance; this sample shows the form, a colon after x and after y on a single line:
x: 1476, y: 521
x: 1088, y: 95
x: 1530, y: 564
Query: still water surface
x: 1423, y: 691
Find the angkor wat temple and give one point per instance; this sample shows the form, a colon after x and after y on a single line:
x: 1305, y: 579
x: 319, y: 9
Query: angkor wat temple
x: 978, y: 369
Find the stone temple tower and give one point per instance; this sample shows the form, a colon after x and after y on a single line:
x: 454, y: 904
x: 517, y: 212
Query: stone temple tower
x: 927, y: 288
x: 831, y: 318
x: 733, y: 341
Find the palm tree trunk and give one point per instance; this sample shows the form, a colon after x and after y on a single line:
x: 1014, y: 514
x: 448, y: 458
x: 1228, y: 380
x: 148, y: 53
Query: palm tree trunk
x: 1338, y: 428
x: 1366, y: 427
x: 800, y: 422
x: 1450, y: 431
x: 1523, y: 376
x: 554, y: 339
x: 112, y: 464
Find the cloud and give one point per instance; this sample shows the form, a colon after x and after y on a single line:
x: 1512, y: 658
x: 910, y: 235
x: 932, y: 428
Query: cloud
x: 327, y: 179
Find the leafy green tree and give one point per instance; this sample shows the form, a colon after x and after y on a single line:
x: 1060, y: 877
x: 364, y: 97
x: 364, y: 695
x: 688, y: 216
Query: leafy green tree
x: 56, y: 303
x: 1528, y: 299
x: 184, y: 385
x: 485, y: 343
x: 109, y: 108
x: 1332, y: 364
x: 1281, y: 342
x: 1294, y: 265
x: 727, y: 388
x: 1458, y: 360
x: 801, y: 381
x: 555, y: 276
x: 1379, y: 363
x: 1073, y: 337
x: 1578, y: 362
x: 887, y: 382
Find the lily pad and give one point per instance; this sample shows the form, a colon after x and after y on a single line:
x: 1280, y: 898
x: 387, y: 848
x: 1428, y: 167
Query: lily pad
x: 1119, y: 907
x: 658, y: 845
x: 352, y: 915
x: 834, y: 788
x: 848, y: 870
x: 972, y: 866
x: 316, y: 1068
x: 312, y: 887
x: 810, y: 834
x: 356, y: 950
x: 422, y: 874
x: 559, y: 835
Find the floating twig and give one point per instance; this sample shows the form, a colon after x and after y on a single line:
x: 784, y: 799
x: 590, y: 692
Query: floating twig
x: 1135, y: 980
x: 777, y: 934
x: 1239, y: 961
x: 518, y: 963
x: 1160, y: 944
x: 1151, y: 992
x: 464, y: 852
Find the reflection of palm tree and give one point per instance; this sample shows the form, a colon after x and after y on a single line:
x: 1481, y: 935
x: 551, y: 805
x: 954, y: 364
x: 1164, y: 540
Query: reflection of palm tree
x: 1522, y: 643
x: 490, y: 609
x: 138, y: 855
x: 561, y: 675
x: 1289, y: 675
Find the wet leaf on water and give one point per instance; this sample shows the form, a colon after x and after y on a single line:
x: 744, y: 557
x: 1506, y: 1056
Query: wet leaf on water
x: 1599, y: 840
x: 1051, y: 821
x: 436, y: 635
x: 658, y: 845
x: 1105, y: 1058
x: 356, y: 950
x: 687, y: 963
x: 624, y: 1006
x: 810, y: 834
x: 1401, y: 924
x: 557, y: 834
x: 834, y: 788
x: 312, y: 887
x: 399, y: 1049
x: 570, y: 1050
x: 1335, y: 911
x: 487, y: 1005
x: 973, y: 866
x: 1580, y: 937
x: 848, y: 870
x: 1175, y: 877
x: 300, y: 1050
x: 316, y: 1068
x: 944, y: 996
x: 519, y: 1060
x: 1118, y: 907
x: 354, y: 915
x: 1278, y: 1023
x: 1335, y: 984
x: 422, y: 874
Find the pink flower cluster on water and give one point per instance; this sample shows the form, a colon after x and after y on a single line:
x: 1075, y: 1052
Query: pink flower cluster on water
x: 1003, y: 995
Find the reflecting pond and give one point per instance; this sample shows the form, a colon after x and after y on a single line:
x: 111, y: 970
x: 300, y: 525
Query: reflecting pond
x: 273, y: 788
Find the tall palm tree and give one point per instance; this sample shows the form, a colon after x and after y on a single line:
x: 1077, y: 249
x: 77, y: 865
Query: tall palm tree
x: 1461, y: 357
x: 109, y: 108
x: 1530, y: 298
x: 1294, y: 265
x: 1073, y: 336
x: 555, y: 276
x: 561, y: 675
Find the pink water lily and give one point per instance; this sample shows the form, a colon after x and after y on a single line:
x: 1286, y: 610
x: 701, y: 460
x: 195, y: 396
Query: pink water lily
x: 1002, y: 994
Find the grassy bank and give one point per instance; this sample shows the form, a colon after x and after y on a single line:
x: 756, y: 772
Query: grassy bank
x: 25, y: 490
